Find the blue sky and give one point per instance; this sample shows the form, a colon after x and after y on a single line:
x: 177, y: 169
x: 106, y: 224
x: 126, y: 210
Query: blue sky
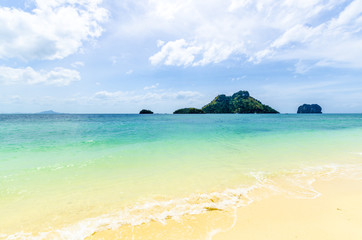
x: 94, y: 56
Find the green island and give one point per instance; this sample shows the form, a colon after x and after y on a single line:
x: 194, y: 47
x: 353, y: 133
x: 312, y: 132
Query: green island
x: 146, y: 111
x: 188, y: 111
x: 239, y: 102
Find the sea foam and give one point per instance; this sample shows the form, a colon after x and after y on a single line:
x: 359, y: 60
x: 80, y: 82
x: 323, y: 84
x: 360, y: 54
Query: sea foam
x: 296, y: 183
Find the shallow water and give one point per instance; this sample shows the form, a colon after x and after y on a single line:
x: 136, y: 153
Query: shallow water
x: 77, y: 174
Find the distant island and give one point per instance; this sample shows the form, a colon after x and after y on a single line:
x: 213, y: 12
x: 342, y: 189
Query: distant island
x: 239, y: 102
x: 309, y: 108
x: 146, y: 111
x: 48, y: 112
x: 188, y: 111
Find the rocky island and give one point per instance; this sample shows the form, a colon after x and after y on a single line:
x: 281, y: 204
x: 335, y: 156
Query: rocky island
x: 309, y: 108
x: 146, y: 111
x: 240, y: 102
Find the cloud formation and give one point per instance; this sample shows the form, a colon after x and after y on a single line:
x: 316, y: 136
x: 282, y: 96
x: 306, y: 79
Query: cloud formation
x: 121, y: 96
x: 315, y: 32
x: 58, y: 76
x: 53, y: 30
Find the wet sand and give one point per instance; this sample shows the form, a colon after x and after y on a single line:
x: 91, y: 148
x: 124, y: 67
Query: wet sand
x: 336, y: 214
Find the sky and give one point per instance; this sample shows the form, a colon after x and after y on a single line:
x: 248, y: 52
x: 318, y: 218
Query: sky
x: 120, y: 56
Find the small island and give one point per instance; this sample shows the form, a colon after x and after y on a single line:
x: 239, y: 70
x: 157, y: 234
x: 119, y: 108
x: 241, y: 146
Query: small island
x: 145, y: 111
x: 188, y: 111
x: 309, y: 108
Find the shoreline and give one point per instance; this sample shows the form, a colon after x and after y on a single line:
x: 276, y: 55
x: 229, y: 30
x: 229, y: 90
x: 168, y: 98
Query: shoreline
x: 274, y: 203
x: 335, y: 214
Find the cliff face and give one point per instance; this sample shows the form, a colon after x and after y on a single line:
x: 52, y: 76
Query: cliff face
x: 240, y: 102
x: 309, y: 108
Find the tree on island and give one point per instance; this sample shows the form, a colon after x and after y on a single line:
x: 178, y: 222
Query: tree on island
x: 145, y: 111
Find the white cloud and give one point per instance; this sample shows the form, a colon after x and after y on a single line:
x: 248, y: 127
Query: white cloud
x: 200, y: 32
x: 160, y: 43
x: 53, y: 30
x: 177, y: 53
x: 151, y: 87
x: 238, y: 78
x: 78, y: 64
x: 301, y: 67
x: 183, y: 53
x: 162, y: 95
x: 58, y: 76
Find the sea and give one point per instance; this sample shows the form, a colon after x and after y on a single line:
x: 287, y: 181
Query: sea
x: 69, y: 176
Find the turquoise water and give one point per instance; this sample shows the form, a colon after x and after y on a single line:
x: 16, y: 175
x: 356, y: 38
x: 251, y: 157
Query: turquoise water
x: 57, y: 170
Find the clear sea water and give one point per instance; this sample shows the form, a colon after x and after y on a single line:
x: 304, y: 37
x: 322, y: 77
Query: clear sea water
x: 77, y: 174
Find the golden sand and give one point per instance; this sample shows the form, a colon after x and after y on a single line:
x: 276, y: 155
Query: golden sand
x: 336, y: 214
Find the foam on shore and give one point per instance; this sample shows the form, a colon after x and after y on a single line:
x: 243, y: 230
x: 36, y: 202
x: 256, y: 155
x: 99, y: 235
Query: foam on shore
x: 296, y: 184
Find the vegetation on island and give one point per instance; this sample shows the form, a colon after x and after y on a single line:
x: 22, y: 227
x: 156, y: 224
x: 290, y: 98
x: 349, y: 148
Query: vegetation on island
x: 188, y: 111
x: 309, y: 108
x: 240, y: 102
x: 146, y: 111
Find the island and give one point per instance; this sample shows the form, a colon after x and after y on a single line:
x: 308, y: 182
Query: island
x: 309, y: 108
x: 145, y: 111
x: 239, y: 102
x: 188, y: 111
x: 48, y: 112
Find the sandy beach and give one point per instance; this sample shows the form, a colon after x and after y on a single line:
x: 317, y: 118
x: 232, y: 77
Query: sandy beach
x: 335, y: 214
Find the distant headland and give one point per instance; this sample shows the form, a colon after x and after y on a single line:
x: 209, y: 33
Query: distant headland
x: 239, y: 102
x: 48, y: 112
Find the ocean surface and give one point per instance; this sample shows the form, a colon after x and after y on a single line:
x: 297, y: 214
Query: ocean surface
x: 69, y: 176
